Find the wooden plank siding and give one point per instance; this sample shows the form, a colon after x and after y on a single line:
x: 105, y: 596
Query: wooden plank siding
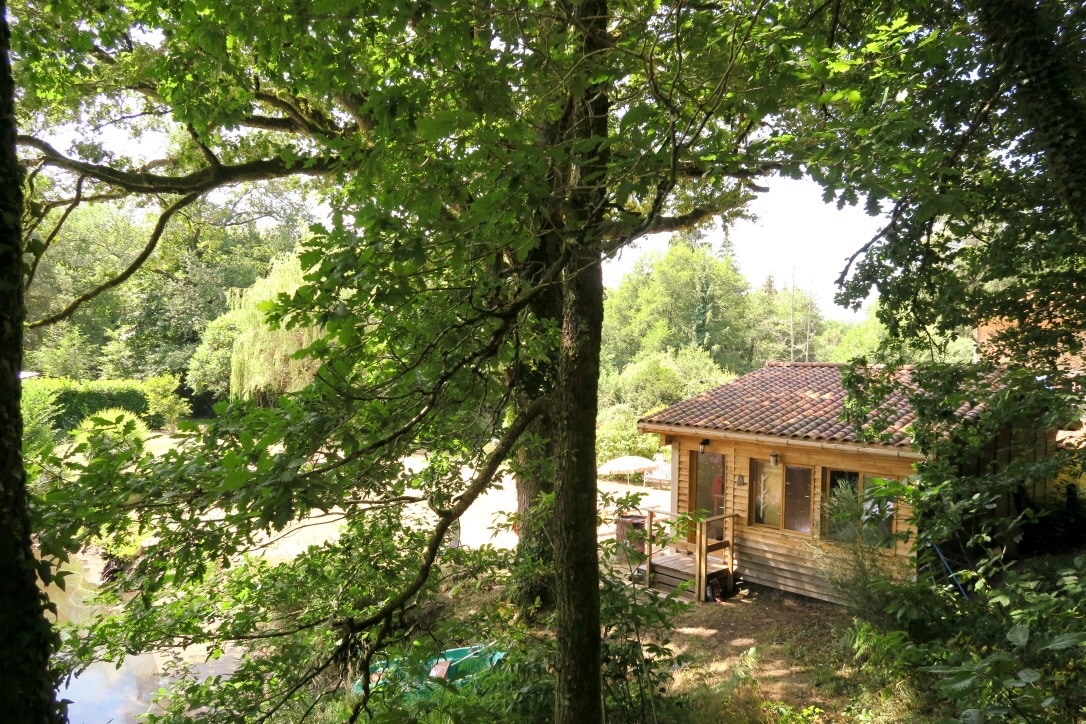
x: 1011, y: 444
x: 684, y: 490
x: 780, y: 558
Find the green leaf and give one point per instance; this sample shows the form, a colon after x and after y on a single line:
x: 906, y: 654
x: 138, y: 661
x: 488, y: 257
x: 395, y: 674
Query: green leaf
x: 1029, y: 675
x: 1063, y: 641
x: 34, y: 245
x: 443, y: 124
x: 1019, y: 635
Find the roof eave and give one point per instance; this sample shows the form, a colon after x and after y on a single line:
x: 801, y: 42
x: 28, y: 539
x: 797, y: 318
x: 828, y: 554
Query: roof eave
x: 894, y: 451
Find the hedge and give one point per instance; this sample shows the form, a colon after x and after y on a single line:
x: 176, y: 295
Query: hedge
x: 153, y: 400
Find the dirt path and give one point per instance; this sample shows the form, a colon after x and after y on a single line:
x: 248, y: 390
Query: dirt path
x: 796, y: 644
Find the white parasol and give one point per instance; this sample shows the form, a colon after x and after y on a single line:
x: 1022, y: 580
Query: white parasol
x: 627, y: 465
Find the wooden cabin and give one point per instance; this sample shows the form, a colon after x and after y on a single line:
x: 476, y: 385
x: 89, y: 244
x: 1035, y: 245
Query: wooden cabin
x: 758, y: 456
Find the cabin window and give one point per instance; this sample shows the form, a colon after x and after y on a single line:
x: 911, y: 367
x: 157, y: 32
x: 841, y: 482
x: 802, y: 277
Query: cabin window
x: 765, y: 487
x: 853, y: 511
x: 781, y: 495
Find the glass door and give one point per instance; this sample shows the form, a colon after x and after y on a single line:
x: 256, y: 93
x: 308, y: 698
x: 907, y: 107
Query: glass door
x: 709, y: 490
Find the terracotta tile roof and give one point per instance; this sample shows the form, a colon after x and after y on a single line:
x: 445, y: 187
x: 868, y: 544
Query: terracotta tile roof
x: 798, y: 400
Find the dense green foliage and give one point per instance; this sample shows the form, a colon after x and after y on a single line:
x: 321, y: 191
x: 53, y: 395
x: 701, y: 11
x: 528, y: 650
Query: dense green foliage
x: 1018, y: 651
x: 266, y: 362
x: 687, y: 298
x: 785, y: 325
x: 155, y: 400
x: 980, y: 114
x: 151, y: 324
x: 472, y: 164
x: 970, y: 616
x: 104, y: 430
x: 650, y: 381
x: 1009, y: 652
x: 478, y: 161
x: 655, y: 379
x: 693, y: 297
x: 209, y: 366
x: 975, y: 236
x: 242, y: 355
x: 38, y: 405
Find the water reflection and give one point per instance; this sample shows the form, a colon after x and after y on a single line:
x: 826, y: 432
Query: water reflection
x: 105, y: 693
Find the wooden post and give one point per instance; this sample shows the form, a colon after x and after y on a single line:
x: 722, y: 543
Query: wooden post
x: 701, y: 573
x: 729, y: 535
x: 648, y: 550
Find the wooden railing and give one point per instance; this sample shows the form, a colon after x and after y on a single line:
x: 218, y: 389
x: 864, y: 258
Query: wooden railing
x: 701, y: 547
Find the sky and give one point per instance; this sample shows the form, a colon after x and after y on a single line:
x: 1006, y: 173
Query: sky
x: 796, y: 236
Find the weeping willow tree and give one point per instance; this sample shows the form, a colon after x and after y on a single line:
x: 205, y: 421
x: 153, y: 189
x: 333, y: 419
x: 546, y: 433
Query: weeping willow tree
x: 264, y: 362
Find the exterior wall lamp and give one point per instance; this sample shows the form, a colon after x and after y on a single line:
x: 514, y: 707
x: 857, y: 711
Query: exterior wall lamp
x: 702, y: 447
x: 774, y: 459
x: 740, y: 480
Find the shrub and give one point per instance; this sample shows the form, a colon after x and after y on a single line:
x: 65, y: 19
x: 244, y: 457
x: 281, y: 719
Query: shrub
x: 77, y: 400
x: 164, y: 405
x: 1019, y: 655
x: 39, y: 410
x: 209, y: 367
x: 617, y: 435
x: 853, y: 555
x: 64, y: 351
x: 153, y: 400
x: 110, y: 429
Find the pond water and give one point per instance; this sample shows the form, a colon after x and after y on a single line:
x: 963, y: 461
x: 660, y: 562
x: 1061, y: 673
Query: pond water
x: 105, y: 693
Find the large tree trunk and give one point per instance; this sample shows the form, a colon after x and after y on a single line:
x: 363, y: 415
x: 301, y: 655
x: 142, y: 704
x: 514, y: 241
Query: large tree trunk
x: 534, y: 585
x: 26, y: 686
x: 578, y: 690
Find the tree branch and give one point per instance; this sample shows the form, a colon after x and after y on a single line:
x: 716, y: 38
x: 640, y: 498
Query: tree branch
x: 197, y: 182
x: 304, y: 120
x: 82, y: 299
x: 483, y: 479
x: 682, y: 222
x: 72, y: 204
x: 694, y: 169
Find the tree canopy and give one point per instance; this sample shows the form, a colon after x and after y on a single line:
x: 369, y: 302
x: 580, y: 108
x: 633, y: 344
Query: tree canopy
x: 479, y: 160
x: 150, y: 324
x: 964, y: 135
x: 689, y: 297
x: 474, y: 157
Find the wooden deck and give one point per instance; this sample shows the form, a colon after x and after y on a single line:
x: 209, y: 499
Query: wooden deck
x: 671, y: 569
x: 699, y: 559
